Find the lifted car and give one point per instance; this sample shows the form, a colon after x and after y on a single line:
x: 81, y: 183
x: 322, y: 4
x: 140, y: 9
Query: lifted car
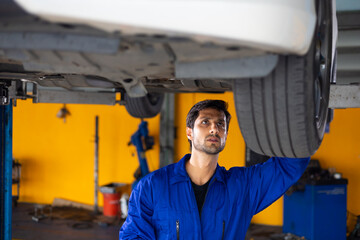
x: 277, y: 56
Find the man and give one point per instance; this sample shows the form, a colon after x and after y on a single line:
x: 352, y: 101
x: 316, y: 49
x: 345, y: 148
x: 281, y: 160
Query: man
x: 196, y: 198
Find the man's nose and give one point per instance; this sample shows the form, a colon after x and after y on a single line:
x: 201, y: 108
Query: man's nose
x: 214, y: 128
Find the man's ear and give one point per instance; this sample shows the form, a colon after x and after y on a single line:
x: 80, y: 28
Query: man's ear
x: 189, y: 133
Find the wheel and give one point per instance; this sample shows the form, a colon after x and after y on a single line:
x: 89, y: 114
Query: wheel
x: 284, y: 114
x: 144, y: 107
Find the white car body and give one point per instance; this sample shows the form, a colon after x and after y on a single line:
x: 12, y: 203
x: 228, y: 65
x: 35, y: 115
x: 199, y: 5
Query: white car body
x: 277, y: 57
x: 279, y: 26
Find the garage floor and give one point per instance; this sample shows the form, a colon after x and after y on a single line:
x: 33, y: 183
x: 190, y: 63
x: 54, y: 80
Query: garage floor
x: 71, y: 223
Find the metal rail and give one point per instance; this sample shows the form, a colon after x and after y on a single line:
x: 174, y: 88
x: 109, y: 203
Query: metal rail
x: 6, y: 171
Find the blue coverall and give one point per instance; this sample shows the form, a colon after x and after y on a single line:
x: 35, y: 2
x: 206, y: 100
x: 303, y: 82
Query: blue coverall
x: 163, y: 205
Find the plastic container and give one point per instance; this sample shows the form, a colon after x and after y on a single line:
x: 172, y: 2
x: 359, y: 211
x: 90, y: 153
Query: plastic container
x: 111, y: 204
x: 112, y: 193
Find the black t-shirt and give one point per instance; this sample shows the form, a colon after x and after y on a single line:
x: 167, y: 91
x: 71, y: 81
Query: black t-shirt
x: 200, y: 193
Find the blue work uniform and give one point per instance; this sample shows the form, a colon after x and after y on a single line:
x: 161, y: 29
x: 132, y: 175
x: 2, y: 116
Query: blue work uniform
x: 163, y: 205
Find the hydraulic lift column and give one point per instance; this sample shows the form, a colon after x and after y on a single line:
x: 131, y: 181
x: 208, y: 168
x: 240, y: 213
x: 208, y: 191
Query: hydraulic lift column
x: 6, y: 171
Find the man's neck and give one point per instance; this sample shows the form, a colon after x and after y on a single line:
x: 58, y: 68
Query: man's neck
x: 201, y: 167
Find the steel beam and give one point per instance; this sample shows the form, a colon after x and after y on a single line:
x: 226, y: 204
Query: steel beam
x: 167, y: 131
x: 344, y: 96
x: 6, y: 171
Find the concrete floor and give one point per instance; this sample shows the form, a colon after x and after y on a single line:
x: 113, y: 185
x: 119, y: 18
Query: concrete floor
x: 70, y: 223
x: 65, y: 223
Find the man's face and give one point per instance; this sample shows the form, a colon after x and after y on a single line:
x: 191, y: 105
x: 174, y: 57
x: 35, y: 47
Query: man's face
x: 209, y: 133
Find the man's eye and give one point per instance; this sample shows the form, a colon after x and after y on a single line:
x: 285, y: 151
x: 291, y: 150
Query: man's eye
x: 204, y: 122
x: 221, y: 124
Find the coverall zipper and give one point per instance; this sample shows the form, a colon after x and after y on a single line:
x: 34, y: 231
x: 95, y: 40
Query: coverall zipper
x: 194, y: 200
x: 207, y: 190
x: 177, y: 229
x: 223, y: 232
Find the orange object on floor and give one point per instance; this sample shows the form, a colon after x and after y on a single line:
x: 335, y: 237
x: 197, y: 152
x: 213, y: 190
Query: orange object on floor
x: 111, y: 204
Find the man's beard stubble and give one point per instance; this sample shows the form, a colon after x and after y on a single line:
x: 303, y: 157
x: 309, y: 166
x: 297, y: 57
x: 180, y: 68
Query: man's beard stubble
x: 212, y: 150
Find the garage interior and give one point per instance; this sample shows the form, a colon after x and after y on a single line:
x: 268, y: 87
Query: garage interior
x: 49, y: 171
x: 67, y: 157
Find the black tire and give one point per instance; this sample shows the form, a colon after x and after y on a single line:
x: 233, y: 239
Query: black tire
x: 144, y: 107
x: 284, y: 114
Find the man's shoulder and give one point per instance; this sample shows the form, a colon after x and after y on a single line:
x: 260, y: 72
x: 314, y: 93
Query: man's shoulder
x: 233, y: 170
x: 164, y: 170
x: 159, y: 174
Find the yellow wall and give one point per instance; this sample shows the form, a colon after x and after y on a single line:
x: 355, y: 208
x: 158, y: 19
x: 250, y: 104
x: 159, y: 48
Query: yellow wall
x: 340, y: 149
x: 57, y: 158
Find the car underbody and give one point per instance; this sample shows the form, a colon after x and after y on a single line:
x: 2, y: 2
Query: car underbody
x: 62, y: 62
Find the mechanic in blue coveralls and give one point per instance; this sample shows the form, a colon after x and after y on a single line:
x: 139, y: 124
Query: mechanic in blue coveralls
x: 196, y: 198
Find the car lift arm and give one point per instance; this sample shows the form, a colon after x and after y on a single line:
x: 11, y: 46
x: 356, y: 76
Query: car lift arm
x: 6, y: 171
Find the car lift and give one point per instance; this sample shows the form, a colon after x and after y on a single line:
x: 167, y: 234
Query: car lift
x: 143, y: 142
x: 6, y: 170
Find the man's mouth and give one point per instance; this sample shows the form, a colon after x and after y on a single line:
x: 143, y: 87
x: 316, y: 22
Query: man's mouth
x: 213, y: 139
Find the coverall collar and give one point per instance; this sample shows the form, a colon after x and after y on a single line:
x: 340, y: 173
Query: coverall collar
x: 181, y: 175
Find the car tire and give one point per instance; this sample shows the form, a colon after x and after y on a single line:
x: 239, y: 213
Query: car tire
x: 144, y: 107
x: 284, y: 114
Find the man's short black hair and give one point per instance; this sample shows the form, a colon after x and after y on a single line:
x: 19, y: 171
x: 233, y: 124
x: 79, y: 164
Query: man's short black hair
x: 219, y: 105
